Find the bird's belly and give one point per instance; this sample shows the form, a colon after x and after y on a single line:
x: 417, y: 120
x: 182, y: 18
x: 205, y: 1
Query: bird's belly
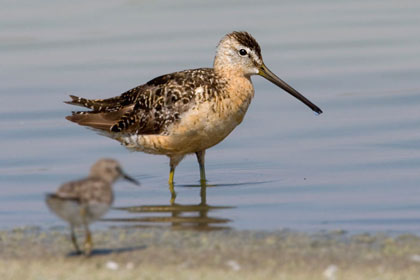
x: 198, y: 129
x: 70, y: 211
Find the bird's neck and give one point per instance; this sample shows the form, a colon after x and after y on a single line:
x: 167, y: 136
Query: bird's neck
x: 237, y: 94
x: 237, y: 84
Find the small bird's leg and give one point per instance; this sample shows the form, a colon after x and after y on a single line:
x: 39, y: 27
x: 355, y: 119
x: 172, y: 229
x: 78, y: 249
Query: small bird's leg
x: 200, y: 158
x: 88, y: 239
x: 74, y: 239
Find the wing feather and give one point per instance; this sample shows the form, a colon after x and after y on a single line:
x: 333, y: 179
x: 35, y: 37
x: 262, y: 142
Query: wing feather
x: 146, y: 109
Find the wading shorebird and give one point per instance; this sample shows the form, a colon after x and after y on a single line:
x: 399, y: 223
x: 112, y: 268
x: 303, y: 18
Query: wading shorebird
x: 84, y: 201
x: 188, y: 111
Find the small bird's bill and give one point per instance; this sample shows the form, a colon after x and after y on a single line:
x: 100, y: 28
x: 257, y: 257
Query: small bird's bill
x: 131, y: 179
x: 266, y: 73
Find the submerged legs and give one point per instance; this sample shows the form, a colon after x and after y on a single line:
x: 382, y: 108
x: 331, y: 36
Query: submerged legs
x: 175, y: 160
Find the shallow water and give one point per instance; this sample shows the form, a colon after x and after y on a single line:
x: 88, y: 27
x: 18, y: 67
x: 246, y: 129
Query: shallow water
x: 355, y: 167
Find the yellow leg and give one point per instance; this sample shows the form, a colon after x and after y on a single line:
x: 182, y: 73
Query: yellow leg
x: 174, y: 160
x: 173, y: 193
x: 171, y: 176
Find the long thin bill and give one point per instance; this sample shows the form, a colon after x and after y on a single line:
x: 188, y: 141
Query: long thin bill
x: 266, y: 73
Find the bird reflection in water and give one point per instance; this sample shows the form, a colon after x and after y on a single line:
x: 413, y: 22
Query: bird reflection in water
x: 180, y: 216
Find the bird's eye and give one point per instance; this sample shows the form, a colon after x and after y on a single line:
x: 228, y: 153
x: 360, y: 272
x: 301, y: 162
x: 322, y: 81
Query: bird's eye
x: 243, y: 52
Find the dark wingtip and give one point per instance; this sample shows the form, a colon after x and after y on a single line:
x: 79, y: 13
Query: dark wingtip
x: 73, y: 101
x: 50, y: 195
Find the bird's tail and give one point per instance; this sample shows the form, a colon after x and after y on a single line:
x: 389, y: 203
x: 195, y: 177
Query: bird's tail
x: 98, y: 105
x: 105, y: 114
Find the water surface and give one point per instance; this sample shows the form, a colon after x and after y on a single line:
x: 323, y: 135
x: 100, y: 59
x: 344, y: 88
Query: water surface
x: 355, y: 167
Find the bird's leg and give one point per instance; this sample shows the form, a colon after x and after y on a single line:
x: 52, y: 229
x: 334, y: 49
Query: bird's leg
x: 200, y: 158
x: 203, y: 195
x: 173, y: 193
x: 74, y: 239
x: 88, y: 239
x: 174, y: 160
x: 171, y: 175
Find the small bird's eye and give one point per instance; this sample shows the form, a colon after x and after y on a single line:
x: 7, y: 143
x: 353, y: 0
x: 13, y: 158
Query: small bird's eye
x: 242, y: 52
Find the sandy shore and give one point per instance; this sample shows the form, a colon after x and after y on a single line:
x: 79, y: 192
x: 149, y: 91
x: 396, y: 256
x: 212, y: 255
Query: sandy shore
x: 153, y: 253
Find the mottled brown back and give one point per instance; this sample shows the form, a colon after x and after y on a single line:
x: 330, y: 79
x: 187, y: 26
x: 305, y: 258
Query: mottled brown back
x: 149, y: 108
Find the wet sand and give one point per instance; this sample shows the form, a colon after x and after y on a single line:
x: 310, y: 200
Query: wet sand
x: 154, y: 253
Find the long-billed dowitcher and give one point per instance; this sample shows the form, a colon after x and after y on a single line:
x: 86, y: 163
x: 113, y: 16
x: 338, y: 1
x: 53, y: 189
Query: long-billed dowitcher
x: 188, y: 111
x: 83, y: 201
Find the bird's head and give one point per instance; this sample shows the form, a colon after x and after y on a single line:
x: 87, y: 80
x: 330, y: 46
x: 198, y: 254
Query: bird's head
x: 109, y: 170
x: 239, y: 53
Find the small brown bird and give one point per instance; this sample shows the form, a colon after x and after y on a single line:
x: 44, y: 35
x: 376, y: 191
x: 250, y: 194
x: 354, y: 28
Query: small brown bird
x: 83, y: 201
x: 185, y: 112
